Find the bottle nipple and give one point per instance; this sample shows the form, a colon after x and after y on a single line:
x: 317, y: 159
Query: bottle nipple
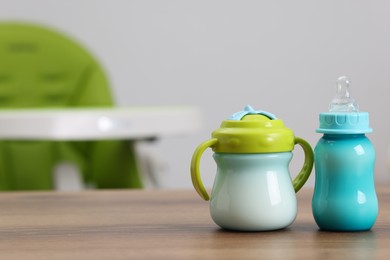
x: 343, y: 102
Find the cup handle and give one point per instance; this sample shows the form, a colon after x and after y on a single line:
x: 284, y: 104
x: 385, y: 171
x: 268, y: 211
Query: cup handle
x: 304, y: 174
x: 195, y: 173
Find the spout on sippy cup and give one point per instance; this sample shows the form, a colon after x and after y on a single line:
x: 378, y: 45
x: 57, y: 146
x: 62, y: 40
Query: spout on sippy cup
x: 343, y: 102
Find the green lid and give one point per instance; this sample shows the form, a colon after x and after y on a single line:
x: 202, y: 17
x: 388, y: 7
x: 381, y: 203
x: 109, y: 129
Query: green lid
x: 251, y: 131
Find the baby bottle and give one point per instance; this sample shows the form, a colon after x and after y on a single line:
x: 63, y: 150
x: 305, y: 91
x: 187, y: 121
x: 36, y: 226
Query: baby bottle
x: 253, y: 190
x: 344, y: 194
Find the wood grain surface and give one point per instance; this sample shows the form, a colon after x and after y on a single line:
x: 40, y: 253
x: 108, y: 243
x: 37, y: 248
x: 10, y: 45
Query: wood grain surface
x: 166, y: 224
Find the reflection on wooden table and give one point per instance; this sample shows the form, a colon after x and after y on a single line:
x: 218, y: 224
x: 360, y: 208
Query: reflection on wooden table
x: 165, y: 224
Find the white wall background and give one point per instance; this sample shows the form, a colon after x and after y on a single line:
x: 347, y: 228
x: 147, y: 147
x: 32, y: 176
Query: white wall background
x: 281, y: 56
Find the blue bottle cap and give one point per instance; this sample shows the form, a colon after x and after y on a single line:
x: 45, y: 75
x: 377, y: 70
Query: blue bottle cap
x: 344, y: 123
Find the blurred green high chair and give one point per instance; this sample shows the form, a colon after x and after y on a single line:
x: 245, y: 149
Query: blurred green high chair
x: 41, y: 68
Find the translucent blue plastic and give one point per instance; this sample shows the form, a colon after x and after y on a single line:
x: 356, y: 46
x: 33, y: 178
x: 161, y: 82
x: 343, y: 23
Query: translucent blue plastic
x: 344, y: 195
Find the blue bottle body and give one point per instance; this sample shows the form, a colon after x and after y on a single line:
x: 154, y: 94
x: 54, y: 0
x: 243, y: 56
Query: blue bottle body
x: 344, y: 195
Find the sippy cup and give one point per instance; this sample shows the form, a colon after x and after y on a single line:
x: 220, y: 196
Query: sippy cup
x: 344, y: 196
x: 253, y: 190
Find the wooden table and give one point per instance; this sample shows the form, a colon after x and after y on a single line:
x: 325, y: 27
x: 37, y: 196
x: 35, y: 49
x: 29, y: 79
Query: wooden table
x: 151, y: 224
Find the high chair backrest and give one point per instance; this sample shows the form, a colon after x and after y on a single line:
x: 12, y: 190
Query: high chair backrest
x: 42, y: 68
